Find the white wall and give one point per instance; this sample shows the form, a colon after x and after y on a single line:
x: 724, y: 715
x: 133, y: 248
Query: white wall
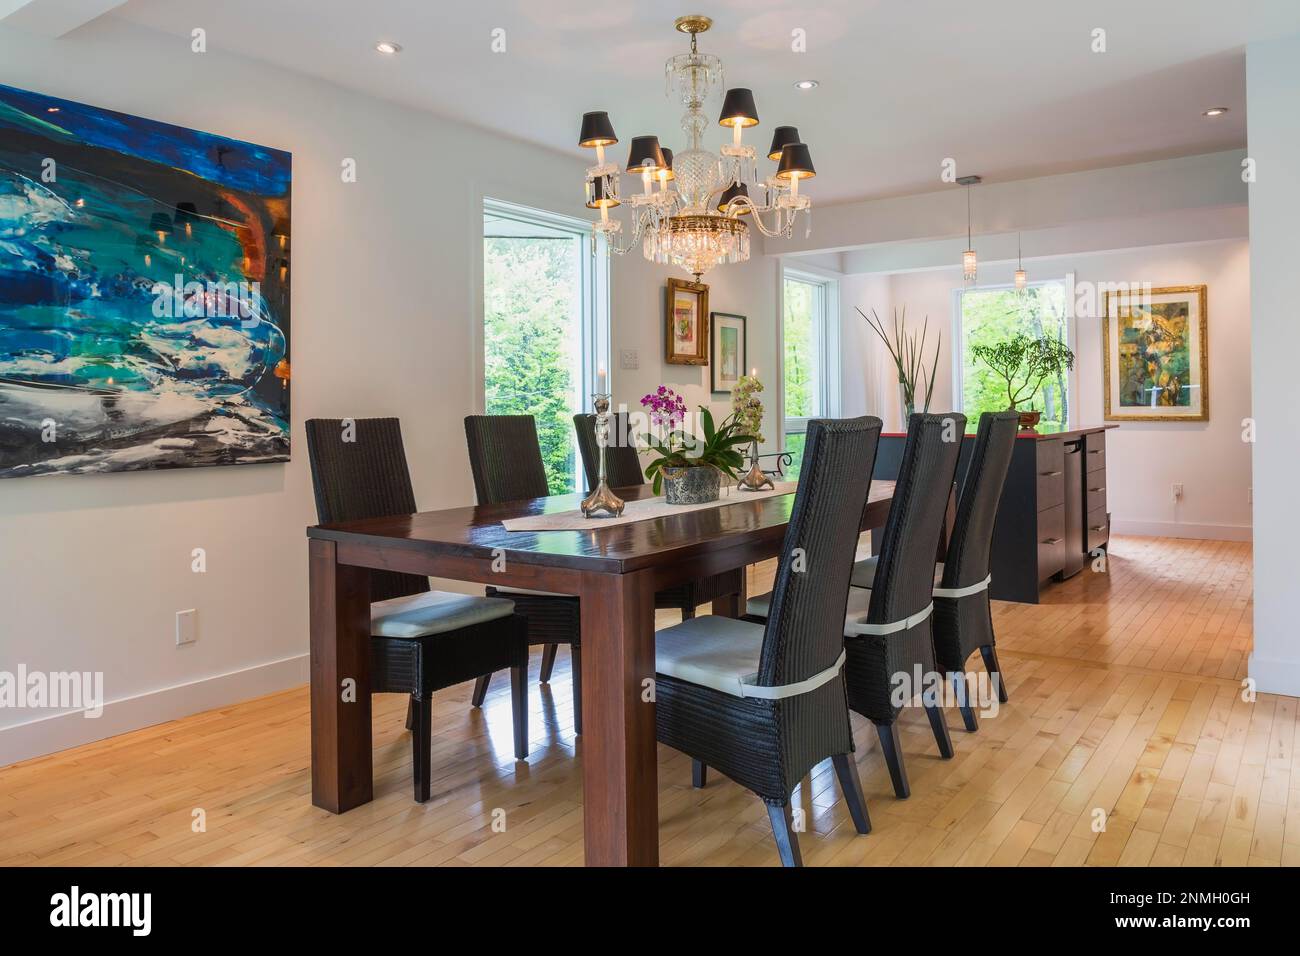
x: 748, y: 289
x: 1144, y: 459
x: 1142, y: 195
x: 93, y: 568
x: 1273, y: 98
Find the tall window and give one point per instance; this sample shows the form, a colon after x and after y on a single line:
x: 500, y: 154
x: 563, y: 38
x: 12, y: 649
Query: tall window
x: 808, y: 370
x: 545, y: 326
x: 990, y: 316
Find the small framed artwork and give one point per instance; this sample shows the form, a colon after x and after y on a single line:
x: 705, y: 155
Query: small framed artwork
x: 1155, y: 355
x: 686, y: 324
x: 729, y: 346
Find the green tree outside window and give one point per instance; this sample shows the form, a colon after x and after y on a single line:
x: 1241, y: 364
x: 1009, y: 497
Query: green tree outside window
x: 530, y: 292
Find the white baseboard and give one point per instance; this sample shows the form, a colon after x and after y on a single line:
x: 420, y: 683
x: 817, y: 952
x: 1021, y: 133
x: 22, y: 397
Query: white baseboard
x: 47, y: 735
x: 1273, y: 676
x: 1180, y: 529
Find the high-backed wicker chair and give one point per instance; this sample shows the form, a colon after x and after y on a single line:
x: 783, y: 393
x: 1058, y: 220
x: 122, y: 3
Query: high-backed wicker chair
x: 423, y: 640
x: 893, y: 638
x: 623, y: 469
x: 963, y: 621
x: 764, y: 703
x: 622, y: 464
x: 506, y: 460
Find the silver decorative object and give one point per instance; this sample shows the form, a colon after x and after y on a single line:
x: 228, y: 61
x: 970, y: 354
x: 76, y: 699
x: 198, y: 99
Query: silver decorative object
x: 756, y: 479
x: 601, y: 498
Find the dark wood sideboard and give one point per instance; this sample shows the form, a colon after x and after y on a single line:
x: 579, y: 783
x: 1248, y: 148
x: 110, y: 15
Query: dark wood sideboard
x: 1053, y: 512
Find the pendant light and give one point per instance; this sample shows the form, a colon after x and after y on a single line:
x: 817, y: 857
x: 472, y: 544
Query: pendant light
x: 969, y: 262
x: 1021, y: 278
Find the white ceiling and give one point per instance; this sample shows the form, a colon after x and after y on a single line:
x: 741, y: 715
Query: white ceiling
x: 1008, y: 88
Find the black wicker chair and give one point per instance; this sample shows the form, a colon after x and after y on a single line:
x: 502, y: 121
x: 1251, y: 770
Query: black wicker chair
x: 765, y: 703
x: 963, y: 621
x: 623, y: 469
x: 893, y: 638
x: 506, y: 459
x: 423, y: 641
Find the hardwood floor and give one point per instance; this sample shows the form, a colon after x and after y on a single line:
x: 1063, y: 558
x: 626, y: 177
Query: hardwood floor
x: 1126, y: 701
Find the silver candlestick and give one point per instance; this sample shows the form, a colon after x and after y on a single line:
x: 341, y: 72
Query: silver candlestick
x: 756, y: 479
x: 601, y: 498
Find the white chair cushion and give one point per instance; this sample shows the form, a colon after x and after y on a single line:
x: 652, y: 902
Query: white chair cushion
x: 434, y: 612
x: 864, y: 573
x: 760, y: 605
x: 529, y: 592
x: 711, y: 651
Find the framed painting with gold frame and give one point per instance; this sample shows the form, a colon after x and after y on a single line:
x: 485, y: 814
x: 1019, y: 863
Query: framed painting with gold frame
x: 686, y: 323
x: 1155, y: 355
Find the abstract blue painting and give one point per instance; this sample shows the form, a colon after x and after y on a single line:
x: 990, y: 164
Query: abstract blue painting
x: 144, y: 293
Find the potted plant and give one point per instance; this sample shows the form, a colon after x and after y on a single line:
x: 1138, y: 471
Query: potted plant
x: 908, y: 352
x: 689, y: 471
x: 748, y: 410
x: 1024, y: 363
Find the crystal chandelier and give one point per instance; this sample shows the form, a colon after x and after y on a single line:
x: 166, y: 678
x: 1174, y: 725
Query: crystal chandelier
x: 690, y: 207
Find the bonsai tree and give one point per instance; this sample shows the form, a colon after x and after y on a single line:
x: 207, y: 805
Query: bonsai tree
x: 1024, y: 363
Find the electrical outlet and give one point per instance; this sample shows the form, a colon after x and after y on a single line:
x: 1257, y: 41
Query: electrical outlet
x: 629, y: 358
x: 1178, y: 492
x: 187, y: 627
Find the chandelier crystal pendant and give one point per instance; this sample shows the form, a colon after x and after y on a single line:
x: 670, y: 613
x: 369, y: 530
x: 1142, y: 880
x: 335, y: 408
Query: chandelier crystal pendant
x: 693, y: 218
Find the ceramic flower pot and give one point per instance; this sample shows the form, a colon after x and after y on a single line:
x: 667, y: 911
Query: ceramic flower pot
x: 691, y: 486
x: 1029, y: 420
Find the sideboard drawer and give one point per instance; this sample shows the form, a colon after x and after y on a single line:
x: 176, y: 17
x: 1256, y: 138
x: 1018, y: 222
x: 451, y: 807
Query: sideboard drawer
x: 1096, y: 530
x: 1051, y: 473
x: 1051, y: 541
x: 1094, y: 492
x: 1094, y: 450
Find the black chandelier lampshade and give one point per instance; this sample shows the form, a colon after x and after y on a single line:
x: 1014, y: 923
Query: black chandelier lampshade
x: 644, y: 153
x: 160, y: 223
x: 668, y: 163
x: 597, y: 130
x: 597, y: 198
x: 734, y: 190
x: 738, y: 108
x: 781, y: 137
x: 796, y: 162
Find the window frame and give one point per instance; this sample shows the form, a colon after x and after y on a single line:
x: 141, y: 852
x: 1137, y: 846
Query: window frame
x: 826, y: 331
x: 593, y: 302
x: 959, y: 336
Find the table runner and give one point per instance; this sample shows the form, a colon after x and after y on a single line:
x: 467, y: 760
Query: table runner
x: 645, y: 509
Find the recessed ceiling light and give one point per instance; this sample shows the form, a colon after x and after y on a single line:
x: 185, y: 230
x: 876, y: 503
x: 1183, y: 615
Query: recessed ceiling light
x: 806, y: 85
x: 52, y: 109
x: 388, y: 48
x: 1215, y: 111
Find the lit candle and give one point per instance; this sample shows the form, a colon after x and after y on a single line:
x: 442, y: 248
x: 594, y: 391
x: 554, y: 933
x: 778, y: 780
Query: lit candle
x: 600, y: 380
x: 753, y: 372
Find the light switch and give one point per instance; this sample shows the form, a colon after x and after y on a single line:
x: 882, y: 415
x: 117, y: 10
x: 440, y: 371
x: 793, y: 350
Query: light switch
x: 629, y: 358
x: 187, y: 627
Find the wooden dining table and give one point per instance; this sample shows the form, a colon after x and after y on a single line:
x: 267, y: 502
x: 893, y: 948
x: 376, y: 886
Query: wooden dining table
x: 614, y: 570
